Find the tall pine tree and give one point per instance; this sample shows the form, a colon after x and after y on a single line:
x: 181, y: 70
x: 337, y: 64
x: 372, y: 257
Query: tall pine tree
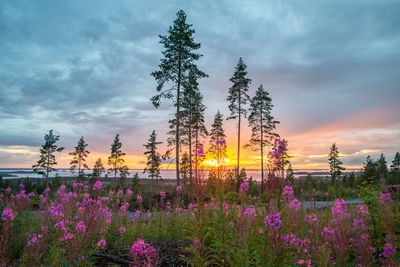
x: 47, y: 158
x: 179, y: 58
x: 238, y: 98
x: 153, y: 157
x: 335, y: 164
x: 116, y: 160
x: 79, y: 159
x: 262, y: 124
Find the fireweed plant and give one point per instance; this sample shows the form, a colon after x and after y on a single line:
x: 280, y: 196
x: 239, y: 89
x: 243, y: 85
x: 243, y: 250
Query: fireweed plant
x: 77, y: 224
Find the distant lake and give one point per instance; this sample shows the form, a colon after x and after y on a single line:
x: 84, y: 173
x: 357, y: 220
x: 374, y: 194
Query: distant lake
x: 16, y: 173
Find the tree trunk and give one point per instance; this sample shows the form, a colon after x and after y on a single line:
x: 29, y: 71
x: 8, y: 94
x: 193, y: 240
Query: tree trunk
x: 178, y: 182
x: 262, y: 154
x: 238, y: 156
x: 47, y: 169
x: 190, y: 157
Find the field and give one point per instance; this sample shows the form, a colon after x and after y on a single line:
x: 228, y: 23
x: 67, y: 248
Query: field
x: 99, y: 224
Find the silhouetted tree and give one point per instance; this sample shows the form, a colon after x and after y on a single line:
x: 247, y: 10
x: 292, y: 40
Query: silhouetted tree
x: 153, y: 157
x: 238, y: 98
x: 179, y: 58
x: 289, y: 175
x: 116, y: 160
x: 98, y: 169
x: 335, y: 164
x: 262, y: 124
x: 396, y: 162
x: 47, y: 158
x: 79, y: 159
x: 382, y: 167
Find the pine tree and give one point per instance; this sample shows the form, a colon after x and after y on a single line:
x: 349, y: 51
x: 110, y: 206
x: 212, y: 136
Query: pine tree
x: 289, y: 175
x: 179, y: 58
x: 352, y: 179
x: 369, y: 173
x: 382, y: 167
x: 335, y: 164
x: 238, y: 98
x: 217, y: 131
x: 185, y: 167
x: 79, y: 159
x: 153, y: 157
x: 262, y: 124
x: 192, y: 126
x: 98, y: 169
x: 116, y: 160
x: 395, y: 163
x: 47, y: 158
x: 217, y: 146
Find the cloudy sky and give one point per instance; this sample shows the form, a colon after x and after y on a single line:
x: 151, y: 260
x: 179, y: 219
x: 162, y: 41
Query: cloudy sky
x: 83, y: 68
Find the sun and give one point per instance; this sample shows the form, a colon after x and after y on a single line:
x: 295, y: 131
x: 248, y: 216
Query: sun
x: 214, y: 163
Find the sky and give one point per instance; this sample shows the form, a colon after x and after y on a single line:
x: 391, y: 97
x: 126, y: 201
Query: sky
x: 82, y: 68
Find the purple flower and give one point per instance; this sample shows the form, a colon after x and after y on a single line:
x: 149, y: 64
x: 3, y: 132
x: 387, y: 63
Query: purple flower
x: 97, y: 186
x: 139, y: 198
x: 21, y: 187
x: 80, y: 227
x: 178, y: 189
x: 122, y: 230
x: 102, y: 243
x: 196, y: 243
x: 7, y: 215
x: 273, y: 221
x: 384, y: 198
x: 129, y: 192
x: 339, y: 209
x: 244, y: 187
x: 141, y: 248
x: 388, y: 250
x: 162, y: 194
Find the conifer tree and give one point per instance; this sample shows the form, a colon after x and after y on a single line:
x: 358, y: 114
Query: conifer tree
x: 192, y: 126
x: 79, y: 159
x: 98, y: 169
x: 238, y: 98
x: 395, y: 163
x: 116, y: 160
x: 382, y: 167
x: 153, y: 157
x: 335, y: 164
x: 262, y: 124
x: 289, y: 175
x: 217, y: 146
x: 47, y: 158
x: 179, y: 58
x: 217, y: 131
x: 185, y: 167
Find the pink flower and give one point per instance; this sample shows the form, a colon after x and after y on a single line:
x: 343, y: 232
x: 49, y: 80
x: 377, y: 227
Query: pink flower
x: 97, y: 186
x: 273, y: 221
x: 129, y: 192
x: 7, y: 215
x: 388, y: 250
x: 244, y: 187
x: 102, y: 243
x: 162, y: 194
x: 139, y: 198
x: 80, y: 227
x: 196, y: 243
x: 178, y: 189
x: 385, y: 198
x: 122, y: 230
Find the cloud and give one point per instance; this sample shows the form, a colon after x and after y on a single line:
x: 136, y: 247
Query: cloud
x: 83, y: 68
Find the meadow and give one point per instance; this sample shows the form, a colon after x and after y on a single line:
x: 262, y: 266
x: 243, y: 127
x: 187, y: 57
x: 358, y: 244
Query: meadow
x: 83, y: 224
